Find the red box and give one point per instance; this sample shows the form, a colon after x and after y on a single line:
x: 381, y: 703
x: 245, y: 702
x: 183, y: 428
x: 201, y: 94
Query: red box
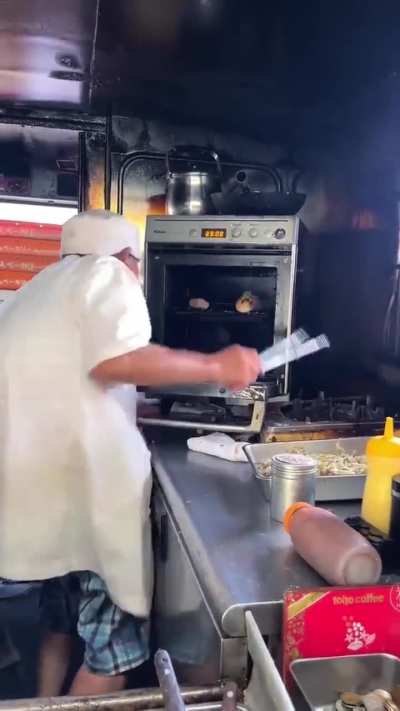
x: 332, y: 622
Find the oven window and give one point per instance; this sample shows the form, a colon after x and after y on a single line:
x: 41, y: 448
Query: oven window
x: 226, y: 289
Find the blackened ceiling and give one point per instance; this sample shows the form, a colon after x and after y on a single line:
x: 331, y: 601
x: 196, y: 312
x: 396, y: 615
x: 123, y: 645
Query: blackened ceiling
x: 256, y: 67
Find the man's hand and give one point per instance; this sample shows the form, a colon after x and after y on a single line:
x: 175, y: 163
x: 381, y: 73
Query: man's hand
x: 238, y: 367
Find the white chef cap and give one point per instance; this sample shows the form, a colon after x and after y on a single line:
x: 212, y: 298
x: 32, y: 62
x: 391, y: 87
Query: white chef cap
x: 99, y: 232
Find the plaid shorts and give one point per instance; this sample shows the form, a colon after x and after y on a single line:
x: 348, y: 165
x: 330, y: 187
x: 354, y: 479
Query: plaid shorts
x: 115, y: 641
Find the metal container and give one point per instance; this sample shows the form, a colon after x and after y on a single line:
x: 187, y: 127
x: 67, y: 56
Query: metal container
x: 189, y: 191
x: 189, y: 194
x: 340, y: 487
x: 293, y: 479
x: 395, y: 512
x: 321, y: 680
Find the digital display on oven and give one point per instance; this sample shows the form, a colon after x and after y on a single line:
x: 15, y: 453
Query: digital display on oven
x: 211, y: 233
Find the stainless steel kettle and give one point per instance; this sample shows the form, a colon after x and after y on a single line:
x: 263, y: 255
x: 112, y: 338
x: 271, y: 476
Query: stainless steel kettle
x: 189, y: 192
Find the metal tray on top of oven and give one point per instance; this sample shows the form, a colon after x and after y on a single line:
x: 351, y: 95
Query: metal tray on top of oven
x: 329, y: 487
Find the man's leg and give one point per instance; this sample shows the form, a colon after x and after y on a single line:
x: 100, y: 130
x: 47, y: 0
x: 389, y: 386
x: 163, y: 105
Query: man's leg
x: 87, y: 684
x: 115, y: 642
x: 54, y: 659
x: 59, y: 622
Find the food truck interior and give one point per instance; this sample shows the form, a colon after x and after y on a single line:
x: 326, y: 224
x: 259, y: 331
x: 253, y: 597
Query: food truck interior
x: 291, y: 110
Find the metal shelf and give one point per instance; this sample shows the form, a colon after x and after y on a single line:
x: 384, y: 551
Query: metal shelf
x: 220, y: 316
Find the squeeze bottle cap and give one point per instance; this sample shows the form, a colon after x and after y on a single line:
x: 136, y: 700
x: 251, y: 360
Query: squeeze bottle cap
x: 287, y: 519
x: 389, y: 428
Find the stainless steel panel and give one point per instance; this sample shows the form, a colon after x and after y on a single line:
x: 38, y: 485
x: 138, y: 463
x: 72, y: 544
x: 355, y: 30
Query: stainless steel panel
x: 254, y: 231
x: 321, y: 679
x: 254, y: 426
x: 241, y: 559
x: 184, y: 230
x: 328, y: 488
x: 183, y: 622
x: 266, y: 689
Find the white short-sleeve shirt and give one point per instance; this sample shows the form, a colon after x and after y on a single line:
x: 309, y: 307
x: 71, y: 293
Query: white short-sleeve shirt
x: 75, y: 475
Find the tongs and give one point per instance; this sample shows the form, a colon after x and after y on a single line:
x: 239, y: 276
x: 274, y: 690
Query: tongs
x: 168, y: 684
x: 230, y: 694
x: 170, y: 689
x: 294, y: 347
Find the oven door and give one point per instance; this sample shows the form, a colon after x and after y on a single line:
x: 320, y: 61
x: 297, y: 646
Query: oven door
x: 174, y: 276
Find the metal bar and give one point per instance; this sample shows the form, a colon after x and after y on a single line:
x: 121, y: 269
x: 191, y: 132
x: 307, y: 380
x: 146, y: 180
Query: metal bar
x: 168, y: 683
x: 229, y: 701
x: 82, y: 171
x: 268, y: 676
x: 134, y: 700
x: 107, y: 164
x: 29, y: 200
x: 253, y: 427
x: 284, y: 427
x: 93, y: 52
x: 188, y: 424
x: 131, y: 158
x: 67, y: 120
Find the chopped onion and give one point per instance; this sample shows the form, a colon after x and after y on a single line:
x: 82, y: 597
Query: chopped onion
x: 329, y: 464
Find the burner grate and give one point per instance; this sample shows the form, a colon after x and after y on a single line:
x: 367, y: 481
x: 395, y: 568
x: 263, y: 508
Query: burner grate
x: 322, y: 409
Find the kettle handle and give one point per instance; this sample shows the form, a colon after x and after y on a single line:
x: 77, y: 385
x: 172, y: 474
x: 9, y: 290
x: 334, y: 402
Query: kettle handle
x: 188, y: 152
x: 241, y: 176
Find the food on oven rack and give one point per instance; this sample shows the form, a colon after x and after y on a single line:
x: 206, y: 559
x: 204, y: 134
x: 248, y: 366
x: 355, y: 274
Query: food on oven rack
x: 199, y: 304
x: 330, y: 464
x: 247, y: 303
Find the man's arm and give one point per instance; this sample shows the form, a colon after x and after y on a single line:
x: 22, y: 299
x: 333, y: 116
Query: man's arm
x: 235, y: 367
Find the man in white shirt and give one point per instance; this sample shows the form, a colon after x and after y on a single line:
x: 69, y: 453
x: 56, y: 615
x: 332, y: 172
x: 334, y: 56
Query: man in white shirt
x: 75, y: 474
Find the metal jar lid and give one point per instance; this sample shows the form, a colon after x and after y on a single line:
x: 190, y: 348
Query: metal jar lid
x: 293, y: 465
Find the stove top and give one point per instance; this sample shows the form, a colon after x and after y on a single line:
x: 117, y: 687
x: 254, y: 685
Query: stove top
x: 324, y: 418
x: 322, y: 409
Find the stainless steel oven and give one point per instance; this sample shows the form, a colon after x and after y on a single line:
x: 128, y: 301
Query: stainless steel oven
x: 220, y: 260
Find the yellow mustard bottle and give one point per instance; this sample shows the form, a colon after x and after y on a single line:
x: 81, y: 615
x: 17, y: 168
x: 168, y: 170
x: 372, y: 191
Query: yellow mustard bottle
x: 383, y: 462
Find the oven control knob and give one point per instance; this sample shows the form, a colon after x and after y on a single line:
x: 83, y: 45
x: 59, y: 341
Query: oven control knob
x: 280, y: 233
x: 236, y: 232
x: 253, y: 233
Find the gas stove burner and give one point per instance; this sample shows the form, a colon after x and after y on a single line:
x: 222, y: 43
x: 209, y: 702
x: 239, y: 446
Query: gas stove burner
x: 323, y: 409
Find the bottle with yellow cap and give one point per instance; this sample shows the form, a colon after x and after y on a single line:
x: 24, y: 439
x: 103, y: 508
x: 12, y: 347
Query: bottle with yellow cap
x: 383, y: 461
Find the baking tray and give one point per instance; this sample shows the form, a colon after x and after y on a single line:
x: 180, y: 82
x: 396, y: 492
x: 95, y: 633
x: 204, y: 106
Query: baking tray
x: 321, y: 681
x: 328, y: 488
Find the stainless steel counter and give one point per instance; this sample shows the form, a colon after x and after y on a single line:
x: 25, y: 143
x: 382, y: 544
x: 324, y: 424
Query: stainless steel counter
x: 243, y: 560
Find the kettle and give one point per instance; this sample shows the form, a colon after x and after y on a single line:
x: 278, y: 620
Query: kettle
x: 189, y: 192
